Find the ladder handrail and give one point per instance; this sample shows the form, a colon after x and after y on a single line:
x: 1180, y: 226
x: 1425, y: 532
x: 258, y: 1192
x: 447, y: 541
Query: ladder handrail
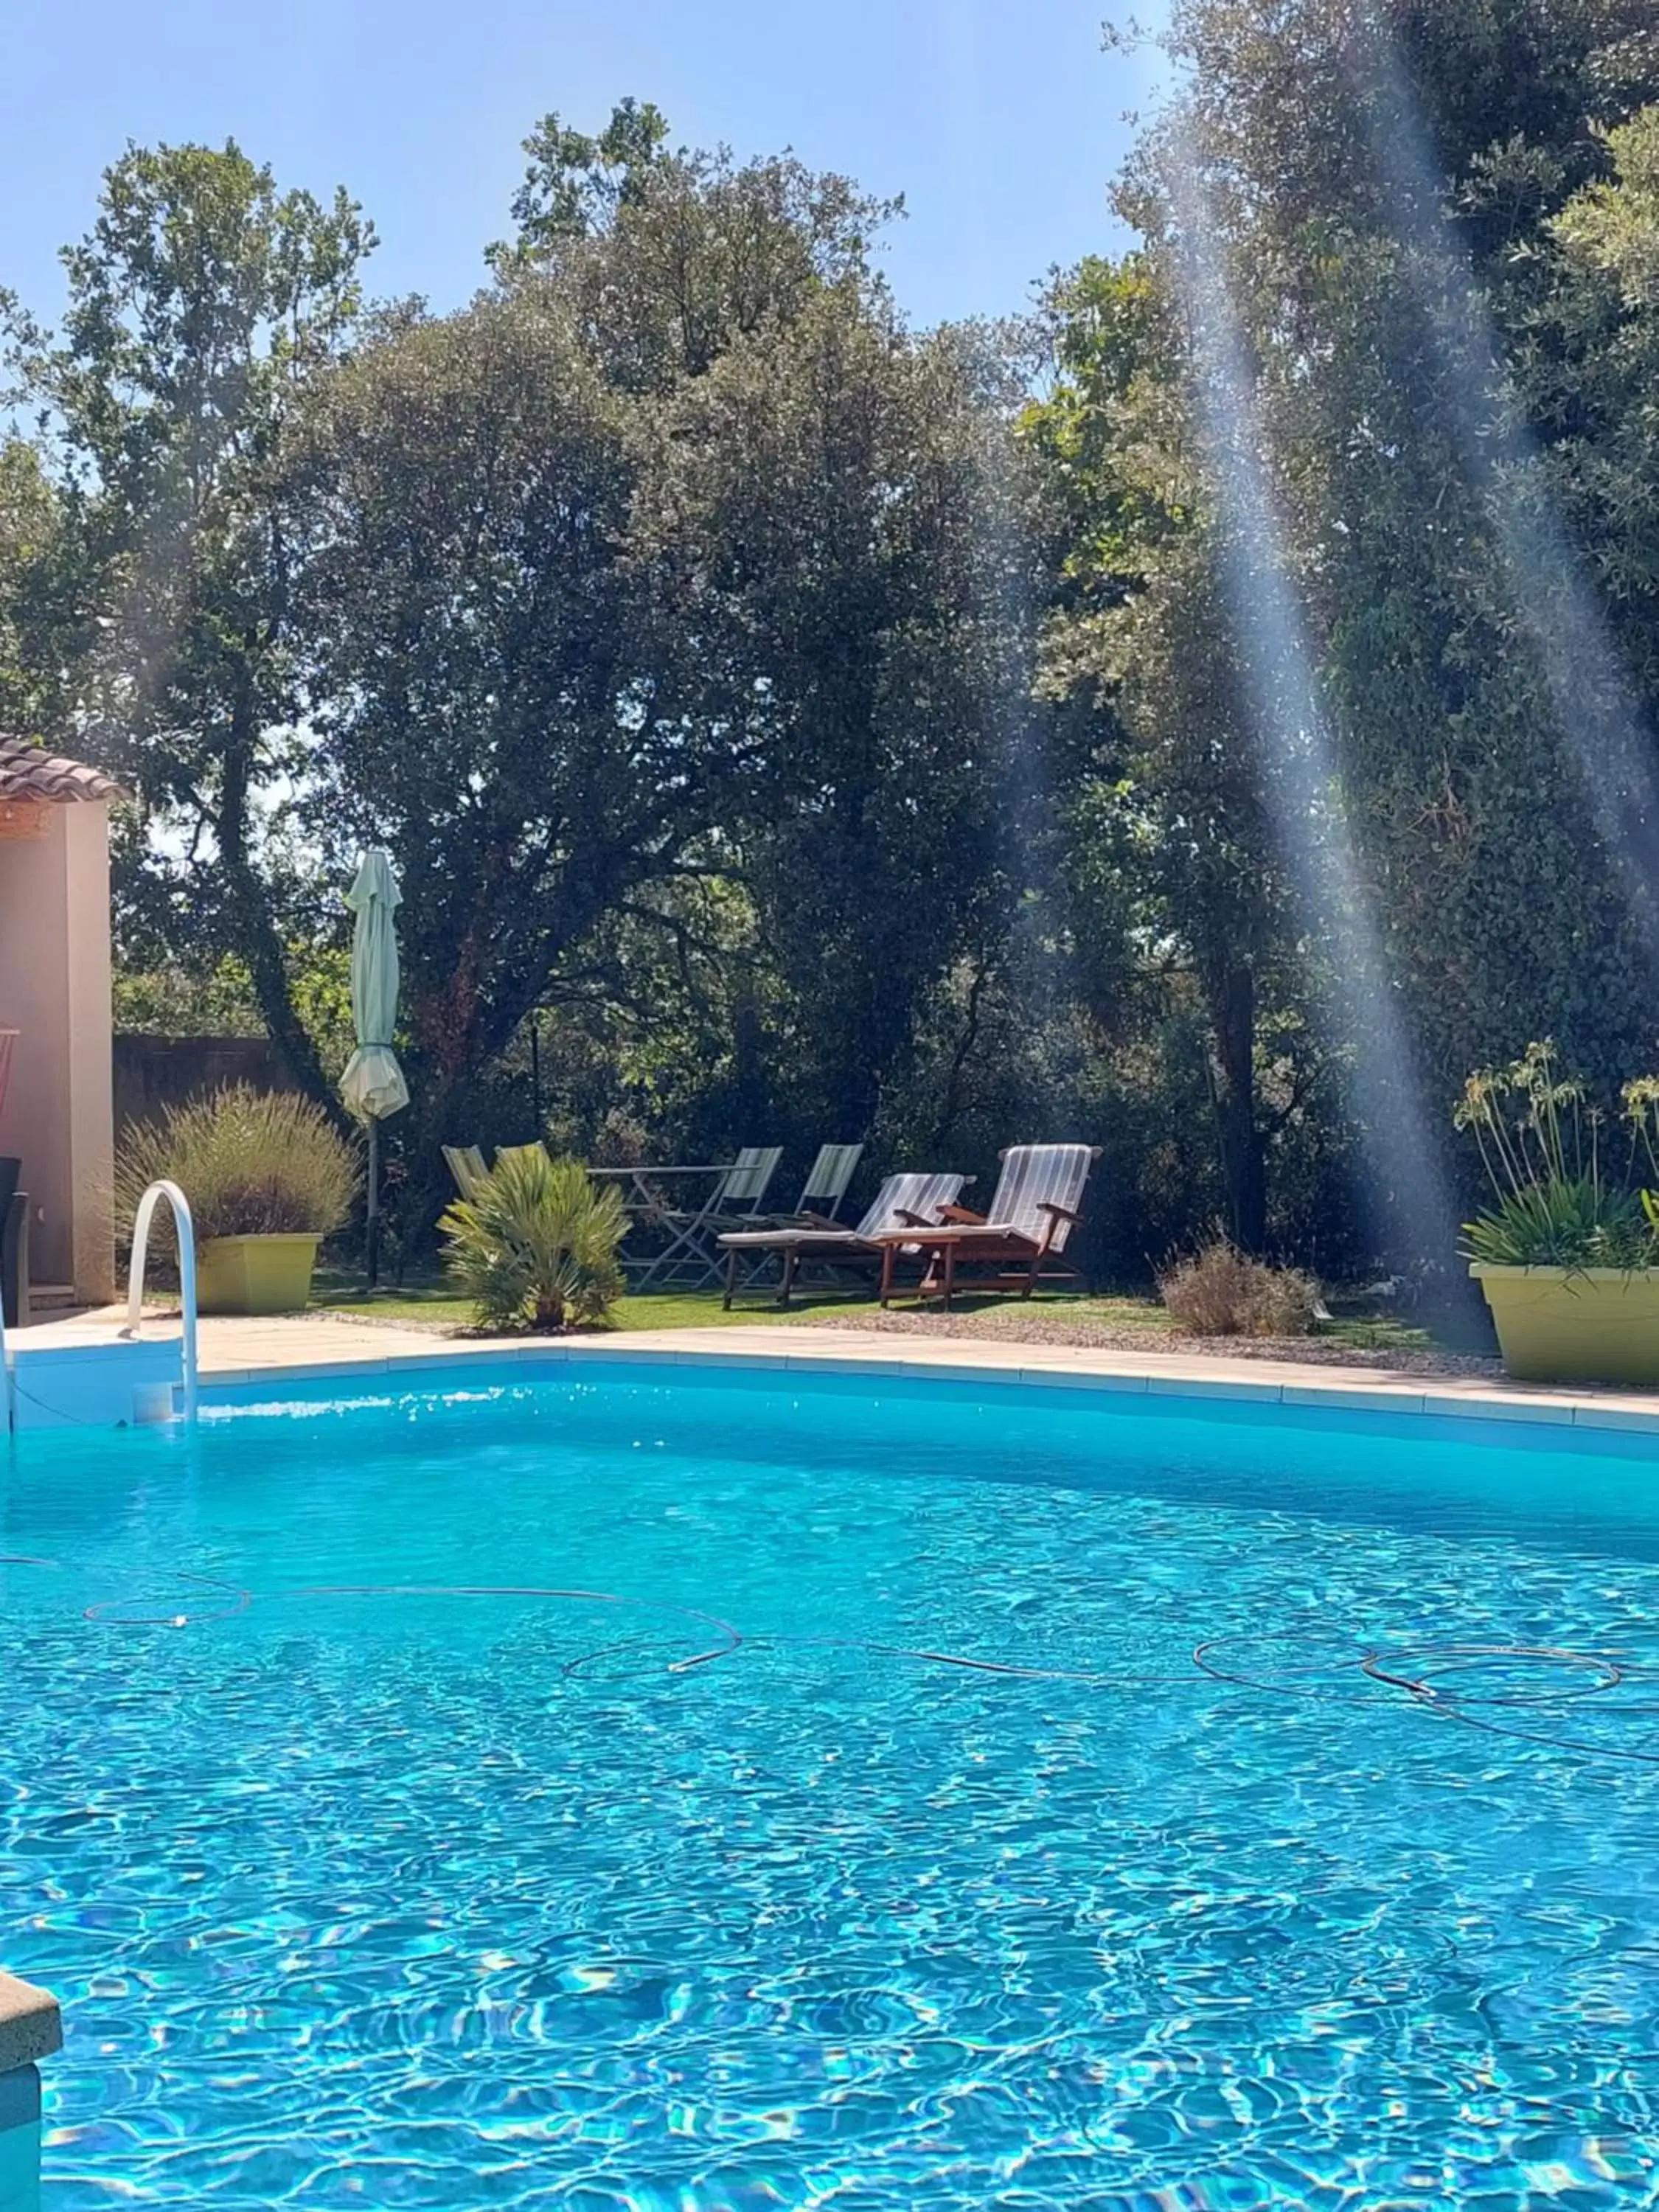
x: 186, y: 1228
x: 8, y: 1377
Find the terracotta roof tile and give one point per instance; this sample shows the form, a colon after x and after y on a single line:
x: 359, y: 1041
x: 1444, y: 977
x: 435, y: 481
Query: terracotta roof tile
x: 28, y: 772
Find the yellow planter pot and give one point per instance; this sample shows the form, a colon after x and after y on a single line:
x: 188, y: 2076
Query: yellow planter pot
x: 255, y: 1274
x: 1584, y: 1325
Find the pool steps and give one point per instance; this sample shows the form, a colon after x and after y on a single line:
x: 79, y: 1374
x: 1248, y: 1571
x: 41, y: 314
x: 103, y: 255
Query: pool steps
x: 184, y: 1231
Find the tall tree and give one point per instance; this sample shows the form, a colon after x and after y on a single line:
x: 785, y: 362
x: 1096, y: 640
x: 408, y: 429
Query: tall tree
x: 32, y: 550
x: 844, y: 515
x: 489, y: 688
x: 1384, y: 232
x: 671, y: 258
x: 1168, y: 849
x: 198, y: 305
x: 1587, y: 346
x: 502, y: 673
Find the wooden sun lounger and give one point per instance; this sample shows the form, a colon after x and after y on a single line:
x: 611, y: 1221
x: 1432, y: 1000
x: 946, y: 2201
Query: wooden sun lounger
x: 903, y: 1201
x: 1036, y: 1207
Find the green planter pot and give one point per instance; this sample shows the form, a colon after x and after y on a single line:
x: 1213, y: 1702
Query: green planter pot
x: 1583, y: 1325
x: 255, y: 1274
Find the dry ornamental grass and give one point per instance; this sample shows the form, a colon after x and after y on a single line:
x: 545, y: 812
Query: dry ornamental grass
x: 1222, y: 1292
x: 251, y: 1163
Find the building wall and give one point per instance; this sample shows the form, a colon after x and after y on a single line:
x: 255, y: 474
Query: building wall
x: 55, y: 989
x: 91, y: 1112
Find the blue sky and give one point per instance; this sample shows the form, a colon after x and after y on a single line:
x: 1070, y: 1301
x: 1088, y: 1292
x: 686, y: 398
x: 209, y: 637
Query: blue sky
x: 1000, y: 120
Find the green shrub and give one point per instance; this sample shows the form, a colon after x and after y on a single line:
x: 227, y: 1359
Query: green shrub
x: 1222, y: 1292
x: 536, y: 1247
x: 251, y: 1164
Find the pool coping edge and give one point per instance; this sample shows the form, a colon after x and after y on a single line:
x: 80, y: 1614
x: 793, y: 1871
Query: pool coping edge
x: 1411, y: 1396
x: 31, y: 2024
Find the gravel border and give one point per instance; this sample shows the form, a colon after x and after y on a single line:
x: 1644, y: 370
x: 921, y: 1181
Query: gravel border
x: 1025, y: 1324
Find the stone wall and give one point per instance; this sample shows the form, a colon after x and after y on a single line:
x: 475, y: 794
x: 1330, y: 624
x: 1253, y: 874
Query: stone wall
x: 153, y: 1073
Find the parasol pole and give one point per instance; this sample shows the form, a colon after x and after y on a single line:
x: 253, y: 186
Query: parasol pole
x: 371, y: 1216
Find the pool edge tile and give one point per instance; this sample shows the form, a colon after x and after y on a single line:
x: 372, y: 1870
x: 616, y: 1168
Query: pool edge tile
x: 1636, y: 1421
x: 533, y: 1350
x: 1556, y: 1413
x: 314, y: 1371
x: 738, y: 1357
x: 1359, y: 1397
x: 626, y: 1355
x: 31, y: 2024
x: 983, y: 1376
x: 856, y: 1363
x: 1217, y: 1387
x: 1073, y: 1378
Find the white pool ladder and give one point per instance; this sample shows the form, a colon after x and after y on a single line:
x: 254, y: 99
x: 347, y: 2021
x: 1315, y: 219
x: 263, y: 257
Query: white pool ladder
x: 186, y: 1228
x: 7, y: 1378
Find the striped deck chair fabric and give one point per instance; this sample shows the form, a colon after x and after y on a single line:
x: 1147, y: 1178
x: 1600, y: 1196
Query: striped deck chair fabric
x: 827, y: 1180
x: 922, y: 1195
x: 1033, y: 1177
x: 747, y: 1179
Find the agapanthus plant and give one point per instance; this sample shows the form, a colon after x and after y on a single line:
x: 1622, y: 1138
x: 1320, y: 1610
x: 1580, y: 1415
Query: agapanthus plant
x: 1559, y: 1201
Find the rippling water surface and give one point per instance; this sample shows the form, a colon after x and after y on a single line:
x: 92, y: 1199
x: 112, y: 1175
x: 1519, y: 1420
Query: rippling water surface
x: 698, y: 1796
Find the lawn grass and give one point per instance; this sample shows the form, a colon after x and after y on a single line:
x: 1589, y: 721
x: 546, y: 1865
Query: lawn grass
x: 341, y: 1290
x: 431, y: 1300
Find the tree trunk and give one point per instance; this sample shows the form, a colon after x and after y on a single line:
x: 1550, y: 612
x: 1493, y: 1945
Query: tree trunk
x: 950, y: 1105
x: 751, y: 1091
x: 1230, y: 991
x: 257, y: 940
x: 855, y: 1045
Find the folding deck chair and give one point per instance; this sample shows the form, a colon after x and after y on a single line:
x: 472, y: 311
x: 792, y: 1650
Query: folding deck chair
x: 466, y: 1164
x: 820, y: 1198
x: 826, y: 1184
x: 734, y: 1202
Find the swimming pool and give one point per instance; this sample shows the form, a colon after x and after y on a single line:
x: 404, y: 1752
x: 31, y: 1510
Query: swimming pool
x: 700, y: 1792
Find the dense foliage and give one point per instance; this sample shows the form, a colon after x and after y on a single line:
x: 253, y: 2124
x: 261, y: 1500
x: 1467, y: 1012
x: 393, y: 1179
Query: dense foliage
x: 1207, y: 719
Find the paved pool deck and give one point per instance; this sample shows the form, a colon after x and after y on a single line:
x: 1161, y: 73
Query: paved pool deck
x: 310, y: 1346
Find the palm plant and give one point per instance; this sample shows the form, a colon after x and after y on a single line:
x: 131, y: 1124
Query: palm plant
x: 535, y: 1245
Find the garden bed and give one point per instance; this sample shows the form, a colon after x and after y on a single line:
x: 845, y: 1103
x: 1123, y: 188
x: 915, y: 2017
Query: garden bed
x: 1099, y: 1324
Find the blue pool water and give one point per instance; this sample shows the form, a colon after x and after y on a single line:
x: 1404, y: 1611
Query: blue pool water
x: 372, y: 1870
